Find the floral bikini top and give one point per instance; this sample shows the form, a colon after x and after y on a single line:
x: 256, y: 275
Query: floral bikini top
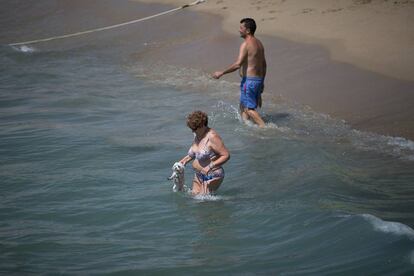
x: 203, y: 154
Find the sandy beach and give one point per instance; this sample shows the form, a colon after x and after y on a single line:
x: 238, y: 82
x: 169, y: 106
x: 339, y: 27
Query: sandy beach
x: 365, y: 68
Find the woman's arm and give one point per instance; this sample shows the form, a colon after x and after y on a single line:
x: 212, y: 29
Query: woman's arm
x: 217, y: 145
x: 186, y: 159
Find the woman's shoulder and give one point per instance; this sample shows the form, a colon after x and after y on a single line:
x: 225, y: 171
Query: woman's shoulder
x: 212, y: 132
x: 213, y: 135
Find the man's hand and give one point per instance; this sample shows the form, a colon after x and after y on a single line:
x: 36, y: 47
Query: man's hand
x: 217, y: 74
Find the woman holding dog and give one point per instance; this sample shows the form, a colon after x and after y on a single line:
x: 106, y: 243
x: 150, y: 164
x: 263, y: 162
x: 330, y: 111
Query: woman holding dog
x: 208, y: 152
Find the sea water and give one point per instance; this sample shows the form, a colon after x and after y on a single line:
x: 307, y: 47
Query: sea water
x: 89, y: 133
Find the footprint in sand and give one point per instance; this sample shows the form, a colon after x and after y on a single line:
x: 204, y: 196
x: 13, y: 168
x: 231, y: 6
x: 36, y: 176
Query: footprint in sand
x: 332, y: 10
x: 362, y: 1
x: 307, y: 10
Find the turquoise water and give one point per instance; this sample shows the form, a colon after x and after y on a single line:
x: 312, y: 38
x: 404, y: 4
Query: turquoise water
x: 87, y: 139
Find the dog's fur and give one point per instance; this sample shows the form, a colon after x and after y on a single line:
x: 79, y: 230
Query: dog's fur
x: 177, y: 177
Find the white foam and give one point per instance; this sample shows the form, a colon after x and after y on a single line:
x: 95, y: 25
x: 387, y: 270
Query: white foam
x: 204, y: 198
x: 396, y: 146
x: 402, y: 145
x: 183, y: 77
x: 302, y: 119
x: 395, y: 228
x: 149, y: 44
x: 279, y: 128
x: 25, y: 49
x: 402, y: 142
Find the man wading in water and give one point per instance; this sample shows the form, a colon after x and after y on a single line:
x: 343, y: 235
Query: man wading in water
x: 252, y: 65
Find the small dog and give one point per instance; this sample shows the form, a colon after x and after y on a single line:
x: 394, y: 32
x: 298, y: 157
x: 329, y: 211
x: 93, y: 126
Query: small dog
x: 177, y: 177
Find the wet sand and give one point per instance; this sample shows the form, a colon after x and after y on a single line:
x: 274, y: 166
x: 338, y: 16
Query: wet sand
x: 349, y: 88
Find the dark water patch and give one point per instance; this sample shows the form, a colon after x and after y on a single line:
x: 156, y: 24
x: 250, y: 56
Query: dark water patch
x: 276, y: 118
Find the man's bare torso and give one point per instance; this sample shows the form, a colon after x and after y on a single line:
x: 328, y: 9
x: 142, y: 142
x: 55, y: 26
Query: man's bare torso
x: 254, y: 63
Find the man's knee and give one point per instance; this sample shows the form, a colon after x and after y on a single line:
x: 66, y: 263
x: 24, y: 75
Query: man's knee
x: 251, y: 111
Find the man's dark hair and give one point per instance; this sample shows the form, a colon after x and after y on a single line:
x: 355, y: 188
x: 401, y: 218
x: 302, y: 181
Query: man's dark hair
x: 250, y: 24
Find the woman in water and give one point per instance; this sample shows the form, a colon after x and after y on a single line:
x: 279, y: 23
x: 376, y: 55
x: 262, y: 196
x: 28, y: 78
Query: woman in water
x: 208, y: 152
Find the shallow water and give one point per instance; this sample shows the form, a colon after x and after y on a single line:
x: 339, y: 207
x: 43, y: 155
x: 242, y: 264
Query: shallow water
x: 88, y: 135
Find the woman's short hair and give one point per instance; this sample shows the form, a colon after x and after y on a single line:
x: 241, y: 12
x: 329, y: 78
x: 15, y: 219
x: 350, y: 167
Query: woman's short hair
x: 197, y: 119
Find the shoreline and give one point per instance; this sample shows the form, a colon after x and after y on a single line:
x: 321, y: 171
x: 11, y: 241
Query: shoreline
x: 306, y: 73
x: 375, y: 35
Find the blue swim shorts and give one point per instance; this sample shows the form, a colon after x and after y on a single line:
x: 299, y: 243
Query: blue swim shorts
x: 250, y: 90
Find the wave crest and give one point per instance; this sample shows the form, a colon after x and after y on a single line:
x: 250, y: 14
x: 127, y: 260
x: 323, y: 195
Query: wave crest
x: 395, y: 228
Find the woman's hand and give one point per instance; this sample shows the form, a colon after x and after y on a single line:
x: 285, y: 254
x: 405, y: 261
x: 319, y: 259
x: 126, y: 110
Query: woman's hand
x: 205, y: 170
x: 199, y: 168
x: 185, y: 160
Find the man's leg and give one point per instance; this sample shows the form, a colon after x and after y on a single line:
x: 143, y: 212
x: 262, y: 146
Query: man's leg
x: 243, y: 113
x: 254, y: 115
x: 252, y: 98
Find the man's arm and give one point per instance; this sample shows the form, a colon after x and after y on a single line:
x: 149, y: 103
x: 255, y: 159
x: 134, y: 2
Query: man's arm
x: 236, y: 65
x: 264, y: 75
x: 259, y: 101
